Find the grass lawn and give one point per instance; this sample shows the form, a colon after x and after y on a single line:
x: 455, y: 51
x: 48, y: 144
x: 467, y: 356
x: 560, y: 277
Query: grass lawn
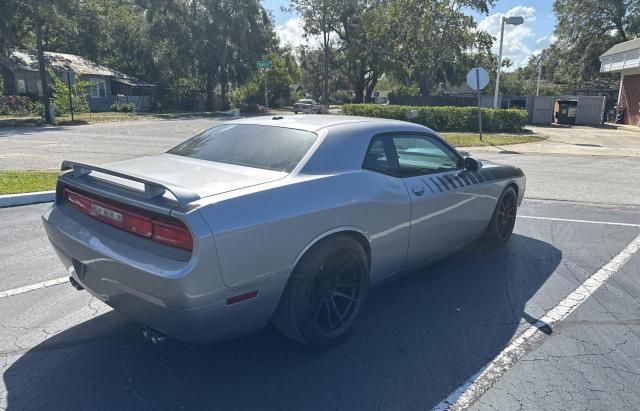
x: 488, y: 139
x: 13, y: 182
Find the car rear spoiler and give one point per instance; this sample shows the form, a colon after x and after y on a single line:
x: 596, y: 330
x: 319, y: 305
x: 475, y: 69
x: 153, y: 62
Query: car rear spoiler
x: 152, y: 189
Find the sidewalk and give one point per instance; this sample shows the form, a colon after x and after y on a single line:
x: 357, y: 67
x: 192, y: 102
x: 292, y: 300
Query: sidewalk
x: 609, y: 140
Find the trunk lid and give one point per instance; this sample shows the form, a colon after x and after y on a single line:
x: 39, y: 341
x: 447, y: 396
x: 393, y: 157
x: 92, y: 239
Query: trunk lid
x: 206, y: 178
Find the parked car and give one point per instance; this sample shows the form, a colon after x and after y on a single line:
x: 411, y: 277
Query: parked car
x: 283, y: 219
x: 306, y: 105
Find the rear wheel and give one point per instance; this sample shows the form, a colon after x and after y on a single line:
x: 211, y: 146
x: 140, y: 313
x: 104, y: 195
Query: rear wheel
x: 504, y: 218
x: 295, y: 112
x: 325, y: 293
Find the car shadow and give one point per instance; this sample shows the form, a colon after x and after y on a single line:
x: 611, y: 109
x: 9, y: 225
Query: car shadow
x: 419, y: 338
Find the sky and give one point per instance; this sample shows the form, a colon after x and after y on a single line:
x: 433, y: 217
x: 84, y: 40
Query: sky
x: 520, y: 42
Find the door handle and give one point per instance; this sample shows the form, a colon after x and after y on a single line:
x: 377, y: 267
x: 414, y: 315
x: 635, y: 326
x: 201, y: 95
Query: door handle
x: 418, y: 191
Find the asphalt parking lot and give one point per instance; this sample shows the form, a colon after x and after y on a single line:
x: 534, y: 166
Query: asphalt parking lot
x: 479, y: 330
x: 421, y: 337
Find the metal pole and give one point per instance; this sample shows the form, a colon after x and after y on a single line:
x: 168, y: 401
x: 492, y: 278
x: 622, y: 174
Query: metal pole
x: 266, y: 95
x: 539, y: 75
x: 479, y: 111
x: 70, y: 99
x: 495, y: 98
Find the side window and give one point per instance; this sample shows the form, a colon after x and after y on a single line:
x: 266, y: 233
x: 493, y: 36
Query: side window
x: 419, y: 155
x: 98, y: 88
x: 376, y: 157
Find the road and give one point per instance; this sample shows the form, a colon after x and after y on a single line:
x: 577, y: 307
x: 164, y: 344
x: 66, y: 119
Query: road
x: 420, y: 337
x: 40, y: 148
x: 473, y: 330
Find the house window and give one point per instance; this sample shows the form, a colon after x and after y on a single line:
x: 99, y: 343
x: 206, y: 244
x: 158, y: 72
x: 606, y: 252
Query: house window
x: 98, y: 88
x: 34, y: 87
x: 22, y: 87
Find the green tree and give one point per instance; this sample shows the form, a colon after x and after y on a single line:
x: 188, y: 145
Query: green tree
x: 585, y: 29
x: 311, y: 69
x: 432, y: 40
x: 320, y: 18
x: 280, y: 76
x: 60, y: 91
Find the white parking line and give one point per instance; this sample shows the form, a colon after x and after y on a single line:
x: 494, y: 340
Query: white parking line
x: 571, y: 220
x: 482, y: 380
x: 33, y: 287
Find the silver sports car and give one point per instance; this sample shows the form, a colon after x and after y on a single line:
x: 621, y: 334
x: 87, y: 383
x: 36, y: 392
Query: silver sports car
x: 283, y: 219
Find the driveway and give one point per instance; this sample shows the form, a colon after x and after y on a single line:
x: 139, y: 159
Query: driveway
x: 42, y: 148
x: 609, y: 140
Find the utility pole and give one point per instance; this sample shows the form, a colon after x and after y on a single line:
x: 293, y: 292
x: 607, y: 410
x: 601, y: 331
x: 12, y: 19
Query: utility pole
x: 539, y: 75
x: 41, y: 63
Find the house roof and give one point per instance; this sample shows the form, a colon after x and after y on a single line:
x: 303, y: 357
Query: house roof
x: 621, y: 57
x: 623, y: 47
x: 27, y: 60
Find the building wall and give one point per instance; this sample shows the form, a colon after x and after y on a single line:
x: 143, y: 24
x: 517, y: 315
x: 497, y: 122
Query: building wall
x: 630, y: 98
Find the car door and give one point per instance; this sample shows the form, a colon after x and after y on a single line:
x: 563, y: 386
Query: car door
x: 442, y: 196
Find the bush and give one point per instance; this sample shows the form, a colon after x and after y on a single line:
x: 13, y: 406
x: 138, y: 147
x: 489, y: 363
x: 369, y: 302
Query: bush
x: 60, y: 95
x: 446, y: 118
x: 123, y: 107
x: 20, y: 106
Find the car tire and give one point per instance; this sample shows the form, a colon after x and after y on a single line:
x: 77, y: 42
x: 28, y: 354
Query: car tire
x: 500, y: 227
x: 325, y: 292
x: 295, y: 112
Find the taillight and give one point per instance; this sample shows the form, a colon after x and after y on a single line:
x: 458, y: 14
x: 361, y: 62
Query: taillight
x: 173, y: 233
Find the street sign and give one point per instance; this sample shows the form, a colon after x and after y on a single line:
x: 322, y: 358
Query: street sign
x: 477, y: 79
x: 477, y: 76
x: 264, y: 64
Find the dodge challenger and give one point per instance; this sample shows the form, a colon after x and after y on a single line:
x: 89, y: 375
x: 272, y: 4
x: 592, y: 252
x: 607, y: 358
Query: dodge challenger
x: 288, y: 220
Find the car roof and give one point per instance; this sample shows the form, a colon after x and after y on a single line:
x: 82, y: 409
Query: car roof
x: 315, y: 122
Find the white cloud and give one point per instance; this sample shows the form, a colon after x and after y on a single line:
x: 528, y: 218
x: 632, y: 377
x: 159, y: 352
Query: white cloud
x: 515, y: 45
x: 547, y: 40
x: 292, y: 33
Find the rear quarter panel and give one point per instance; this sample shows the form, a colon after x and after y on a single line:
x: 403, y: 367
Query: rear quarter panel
x: 261, y: 235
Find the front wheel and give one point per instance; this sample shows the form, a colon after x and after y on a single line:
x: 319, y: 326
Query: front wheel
x: 325, y: 293
x: 503, y: 220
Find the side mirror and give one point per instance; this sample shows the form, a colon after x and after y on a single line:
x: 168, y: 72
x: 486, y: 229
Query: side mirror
x: 471, y: 164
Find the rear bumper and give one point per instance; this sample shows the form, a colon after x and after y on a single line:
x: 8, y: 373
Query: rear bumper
x: 183, y: 299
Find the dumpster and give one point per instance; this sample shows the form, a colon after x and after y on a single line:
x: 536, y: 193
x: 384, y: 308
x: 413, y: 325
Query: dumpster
x: 567, y: 110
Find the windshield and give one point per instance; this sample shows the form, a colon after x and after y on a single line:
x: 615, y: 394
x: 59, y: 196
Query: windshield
x: 250, y: 145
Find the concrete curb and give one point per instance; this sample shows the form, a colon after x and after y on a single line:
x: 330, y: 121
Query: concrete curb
x: 12, y: 200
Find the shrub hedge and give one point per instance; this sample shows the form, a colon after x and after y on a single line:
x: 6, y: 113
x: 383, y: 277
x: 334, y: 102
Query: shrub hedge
x: 20, y: 106
x: 123, y: 107
x: 446, y: 118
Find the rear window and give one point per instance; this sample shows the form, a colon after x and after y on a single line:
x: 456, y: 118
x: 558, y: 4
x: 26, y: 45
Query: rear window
x: 271, y: 148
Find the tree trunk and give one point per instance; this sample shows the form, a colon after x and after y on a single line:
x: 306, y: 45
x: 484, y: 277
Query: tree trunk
x: 41, y: 64
x: 325, y: 70
x: 223, y: 89
x: 210, y: 86
x: 371, y: 88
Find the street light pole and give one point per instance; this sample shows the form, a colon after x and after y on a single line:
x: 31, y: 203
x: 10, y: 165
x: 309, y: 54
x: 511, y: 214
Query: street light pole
x: 495, y: 97
x: 515, y: 21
